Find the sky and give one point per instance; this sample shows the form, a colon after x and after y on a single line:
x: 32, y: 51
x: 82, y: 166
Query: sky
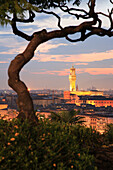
x: 50, y: 66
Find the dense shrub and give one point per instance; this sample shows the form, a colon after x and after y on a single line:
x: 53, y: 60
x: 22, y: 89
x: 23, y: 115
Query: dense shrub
x: 108, y: 135
x: 48, y: 145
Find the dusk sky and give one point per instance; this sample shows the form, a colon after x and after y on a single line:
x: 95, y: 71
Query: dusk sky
x: 93, y: 58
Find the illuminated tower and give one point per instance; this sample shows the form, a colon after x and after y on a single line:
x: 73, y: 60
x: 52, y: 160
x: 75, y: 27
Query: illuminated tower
x: 72, y: 79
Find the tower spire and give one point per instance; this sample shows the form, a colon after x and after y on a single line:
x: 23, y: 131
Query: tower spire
x: 72, y: 78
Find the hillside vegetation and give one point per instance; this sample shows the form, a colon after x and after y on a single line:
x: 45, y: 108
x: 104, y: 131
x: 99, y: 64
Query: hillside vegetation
x: 49, y: 145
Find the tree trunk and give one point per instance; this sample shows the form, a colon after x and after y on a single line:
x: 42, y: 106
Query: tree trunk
x: 25, y: 104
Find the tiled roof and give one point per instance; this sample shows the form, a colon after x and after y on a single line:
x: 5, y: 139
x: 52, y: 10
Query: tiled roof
x: 94, y: 98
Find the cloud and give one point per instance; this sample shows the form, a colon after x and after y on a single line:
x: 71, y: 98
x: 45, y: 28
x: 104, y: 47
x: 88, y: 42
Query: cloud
x: 15, y: 47
x: 13, y: 51
x: 3, y: 62
x: 95, y: 71
x: 12, y: 45
x: 81, y: 64
x: 5, y: 33
x: 64, y: 72
x: 94, y: 44
x: 28, y: 29
x: 44, y: 48
x: 42, y: 21
x: 90, y: 57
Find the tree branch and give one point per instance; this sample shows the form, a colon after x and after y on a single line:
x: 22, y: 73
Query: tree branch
x: 110, y: 18
x: 53, y: 13
x: 30, y: 19
x: 64, y: 32
x: 74, y: 9
x: 18, y: 32
x: 87, y: 29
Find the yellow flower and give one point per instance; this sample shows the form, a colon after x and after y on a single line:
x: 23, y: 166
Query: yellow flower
x: 71, y: 166
x: 3, y: 158
x: 43, y: 139
x: 16, y: 126
x: 16, y: 134
x: 8, y: 143
x: 54, y: 165
x: 12, y: 139
x: 79, y: 154
x: 29, y: 147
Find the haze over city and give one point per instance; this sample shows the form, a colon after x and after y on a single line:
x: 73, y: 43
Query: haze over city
x: 93, y: 58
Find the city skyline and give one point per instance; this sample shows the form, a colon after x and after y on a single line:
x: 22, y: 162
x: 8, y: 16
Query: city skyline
x: 93, y: 58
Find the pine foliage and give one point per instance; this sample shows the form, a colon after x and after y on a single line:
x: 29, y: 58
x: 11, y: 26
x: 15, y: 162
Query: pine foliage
x: 21, y: 7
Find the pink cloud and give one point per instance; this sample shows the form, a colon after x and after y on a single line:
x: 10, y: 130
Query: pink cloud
x: 95, y: 71
x: 90, y: 57
x: 59, y: 73
x: 2, y: 62
x: 81, y: 64
x: 92, y: 71
x: 80, y: 70
x: 47, y: 46
x: 64, y: 72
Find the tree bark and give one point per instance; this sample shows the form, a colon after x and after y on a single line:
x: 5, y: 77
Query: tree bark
x: 25, y: 104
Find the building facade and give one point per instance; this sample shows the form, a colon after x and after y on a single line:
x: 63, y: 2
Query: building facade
x: 78, y: 97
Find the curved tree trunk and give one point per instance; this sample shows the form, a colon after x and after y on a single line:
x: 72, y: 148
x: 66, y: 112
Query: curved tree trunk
x: 25, y: 104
